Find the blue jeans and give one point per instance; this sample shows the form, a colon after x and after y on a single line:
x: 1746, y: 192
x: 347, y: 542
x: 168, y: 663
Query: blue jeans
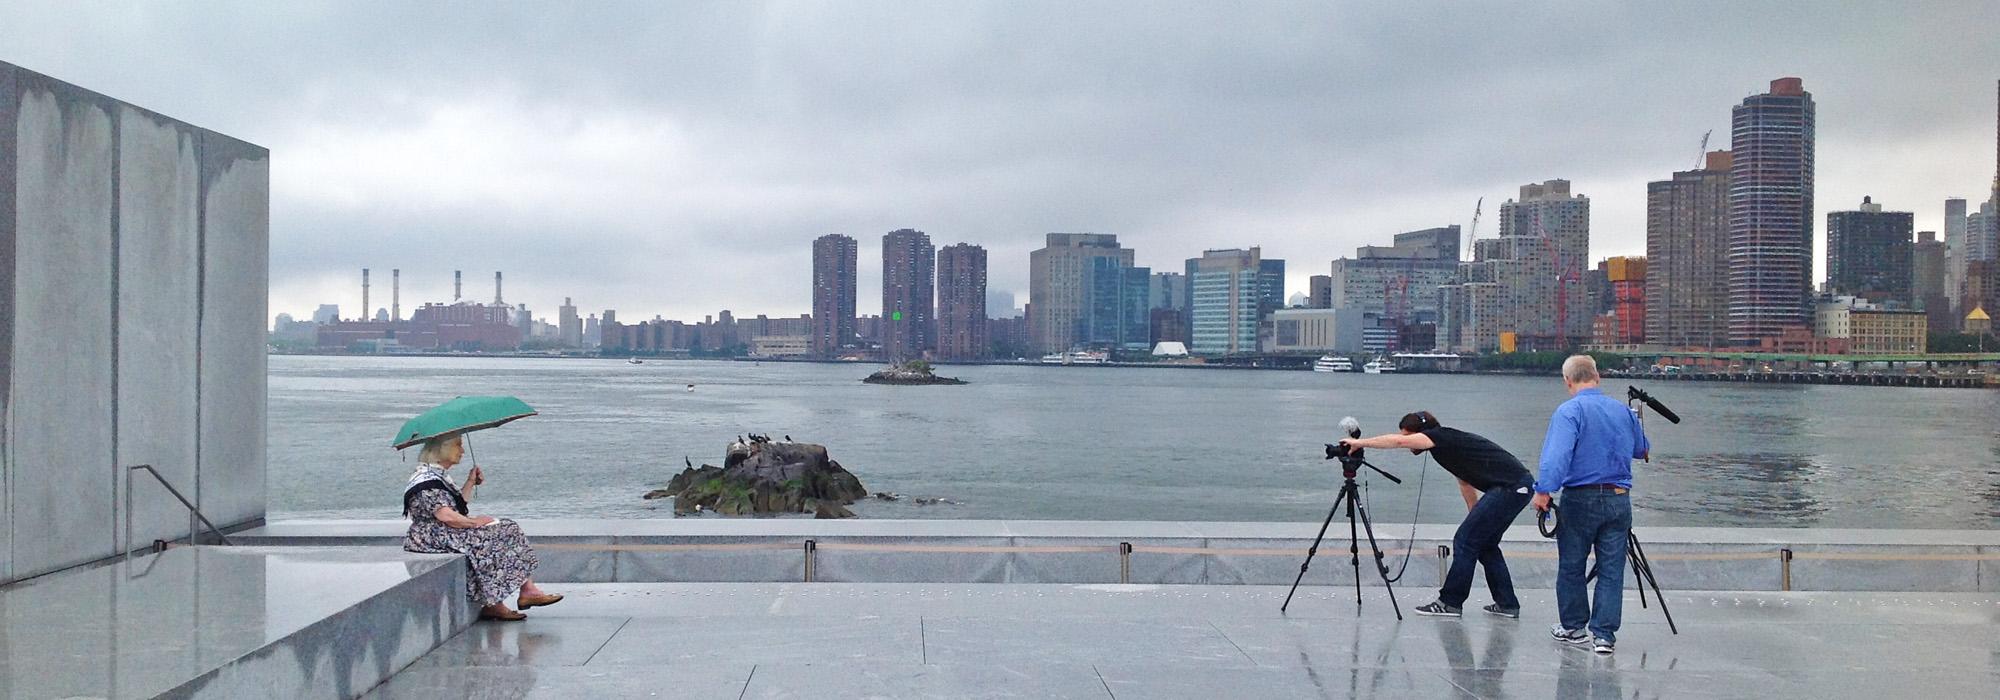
x: 1592, y: 521
x: 1478, y: 542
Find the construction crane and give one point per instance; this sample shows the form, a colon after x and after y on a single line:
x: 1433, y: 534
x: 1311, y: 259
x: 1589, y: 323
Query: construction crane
x: 1701, y: 158
x: 1472, y: 232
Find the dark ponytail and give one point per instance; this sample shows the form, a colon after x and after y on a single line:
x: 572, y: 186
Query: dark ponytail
x: 1418, y: 422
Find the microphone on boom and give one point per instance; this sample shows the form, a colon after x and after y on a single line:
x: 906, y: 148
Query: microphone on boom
x: 1660, y: 408
x: 1353, y: 427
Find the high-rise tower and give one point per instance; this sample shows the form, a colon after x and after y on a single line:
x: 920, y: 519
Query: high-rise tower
x: 909, y: 269
x: 1770, y: 212
x: 961, y: 302
x: 1687, y: 256
x: 834, y: 260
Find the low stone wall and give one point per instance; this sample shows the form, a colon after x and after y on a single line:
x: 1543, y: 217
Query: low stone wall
x: 993, y: 551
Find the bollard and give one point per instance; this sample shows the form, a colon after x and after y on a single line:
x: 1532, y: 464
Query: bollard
x: 811, y: 552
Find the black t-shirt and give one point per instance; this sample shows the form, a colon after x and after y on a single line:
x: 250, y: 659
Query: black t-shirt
x: 1476, y: 460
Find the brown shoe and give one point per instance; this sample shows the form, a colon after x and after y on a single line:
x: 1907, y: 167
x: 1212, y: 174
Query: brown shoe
x: 536, y: 601
x: 502, y: 614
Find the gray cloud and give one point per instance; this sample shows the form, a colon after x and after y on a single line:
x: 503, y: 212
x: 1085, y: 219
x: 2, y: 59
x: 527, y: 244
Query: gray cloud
x: 677, y: 158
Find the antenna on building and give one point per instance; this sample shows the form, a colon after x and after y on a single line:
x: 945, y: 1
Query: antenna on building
x: 364, y: 294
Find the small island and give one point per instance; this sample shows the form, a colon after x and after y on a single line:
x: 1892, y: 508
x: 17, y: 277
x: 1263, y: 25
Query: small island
x: 911, y: 373
x: 761, y: 476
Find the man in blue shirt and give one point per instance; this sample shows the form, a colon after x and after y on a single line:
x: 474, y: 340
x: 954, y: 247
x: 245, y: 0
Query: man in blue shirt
x: 1588, y: 455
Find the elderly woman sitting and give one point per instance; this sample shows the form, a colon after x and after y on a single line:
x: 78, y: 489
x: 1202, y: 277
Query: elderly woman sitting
x: 440, y: 523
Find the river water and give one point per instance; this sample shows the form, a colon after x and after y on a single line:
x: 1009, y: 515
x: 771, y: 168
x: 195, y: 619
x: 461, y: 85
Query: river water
x: 1098, y: 443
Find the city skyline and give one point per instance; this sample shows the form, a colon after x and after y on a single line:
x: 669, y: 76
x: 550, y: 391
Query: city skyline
x: 676, y: 145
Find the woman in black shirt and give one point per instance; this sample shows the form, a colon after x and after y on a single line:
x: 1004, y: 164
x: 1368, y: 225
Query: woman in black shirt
x: 1495, y: 486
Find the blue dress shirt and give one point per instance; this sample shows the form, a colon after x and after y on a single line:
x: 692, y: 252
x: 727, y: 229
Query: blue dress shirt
x: 1592, y: 439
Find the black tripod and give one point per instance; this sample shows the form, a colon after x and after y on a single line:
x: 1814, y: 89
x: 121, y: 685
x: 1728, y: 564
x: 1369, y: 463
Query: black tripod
x: 1350, y: 494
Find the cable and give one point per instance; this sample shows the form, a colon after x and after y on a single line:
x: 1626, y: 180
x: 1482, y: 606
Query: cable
x: 1542, y: 521
x: 1423, y: 474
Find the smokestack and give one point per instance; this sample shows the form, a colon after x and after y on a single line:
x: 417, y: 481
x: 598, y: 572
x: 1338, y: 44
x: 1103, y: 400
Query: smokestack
x: 457, y: 284
x: 496, y: 289
x: 364, y: 294
x: 396, y: 294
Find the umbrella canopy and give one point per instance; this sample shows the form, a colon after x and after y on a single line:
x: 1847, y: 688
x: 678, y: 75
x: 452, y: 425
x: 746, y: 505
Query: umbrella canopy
x: 461, y: 415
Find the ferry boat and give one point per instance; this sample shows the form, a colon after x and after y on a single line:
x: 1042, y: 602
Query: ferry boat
x: 1379, y: 367
x: 1079, y: 357
x: 1330, y: 363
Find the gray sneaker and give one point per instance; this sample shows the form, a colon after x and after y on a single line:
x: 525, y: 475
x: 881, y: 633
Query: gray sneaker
x: 1602, y: 645
x: 1512, y: 613
x: 1568, y: 636
x: 1438, y: 609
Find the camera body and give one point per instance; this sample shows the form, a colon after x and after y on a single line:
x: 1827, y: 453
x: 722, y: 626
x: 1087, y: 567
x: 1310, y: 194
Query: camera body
x: 1337, y: 451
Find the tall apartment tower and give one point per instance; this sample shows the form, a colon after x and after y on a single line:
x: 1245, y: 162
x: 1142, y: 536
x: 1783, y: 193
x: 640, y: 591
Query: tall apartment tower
x: 834, y: 260
x: 961, y: 303
x: 1066, y: 297
x: 1229, y: 290
x: 1869, y: 253
x: 569, y: 326
x: 909, y: 268
x: 1954, y: 247
x: 1548, y: 231
x: 1927, y: 280
x: 1687, y: 256
x: 1770, y: 212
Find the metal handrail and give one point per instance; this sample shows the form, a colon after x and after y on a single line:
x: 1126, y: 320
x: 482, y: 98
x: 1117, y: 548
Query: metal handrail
x: 194, y: 514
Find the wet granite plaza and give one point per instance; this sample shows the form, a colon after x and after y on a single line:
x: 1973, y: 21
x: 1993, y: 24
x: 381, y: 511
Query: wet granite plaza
x: 1144, y: 641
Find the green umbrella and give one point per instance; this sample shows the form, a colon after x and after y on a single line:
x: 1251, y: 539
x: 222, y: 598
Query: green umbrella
x: 460, y: 415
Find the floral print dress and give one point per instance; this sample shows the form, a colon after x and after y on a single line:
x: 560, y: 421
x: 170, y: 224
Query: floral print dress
x: 499, y: 554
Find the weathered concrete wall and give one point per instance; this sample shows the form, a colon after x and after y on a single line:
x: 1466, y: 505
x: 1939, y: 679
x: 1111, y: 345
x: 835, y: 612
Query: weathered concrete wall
x: 112, y: 220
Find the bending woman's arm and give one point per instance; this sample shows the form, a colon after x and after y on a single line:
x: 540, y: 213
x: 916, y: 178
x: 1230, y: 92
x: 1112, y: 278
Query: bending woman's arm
x: 451, y: 518
x: 1413, y: 441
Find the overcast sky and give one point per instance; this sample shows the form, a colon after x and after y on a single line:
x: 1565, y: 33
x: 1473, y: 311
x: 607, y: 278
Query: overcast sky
x: 678, y: 159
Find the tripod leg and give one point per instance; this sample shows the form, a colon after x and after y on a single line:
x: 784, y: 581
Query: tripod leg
x: 1380, y: 567
x: 1354, y: 541
x: 1645, y: 567
x: 1314, y: 549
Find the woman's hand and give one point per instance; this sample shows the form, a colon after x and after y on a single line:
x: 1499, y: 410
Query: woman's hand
x: 483, y: 521
x: 474, y: 478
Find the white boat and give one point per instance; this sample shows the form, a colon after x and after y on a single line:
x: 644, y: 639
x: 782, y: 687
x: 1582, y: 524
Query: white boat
x: 1082, y: 357
x: 1079, y: 357
x: 1330, y: 363
x: 1379, y: 367
x: 635, y: 361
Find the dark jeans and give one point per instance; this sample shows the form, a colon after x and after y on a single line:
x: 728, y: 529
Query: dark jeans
x: 1597, y: 522
x: 1478, y: 542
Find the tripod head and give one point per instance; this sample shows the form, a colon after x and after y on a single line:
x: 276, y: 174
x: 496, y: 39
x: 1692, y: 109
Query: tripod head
x: 1352, y: 459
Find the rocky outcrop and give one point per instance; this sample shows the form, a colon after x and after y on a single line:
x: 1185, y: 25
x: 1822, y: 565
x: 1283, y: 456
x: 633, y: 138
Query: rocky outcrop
x: 764, y: 477
x: 913, y: 373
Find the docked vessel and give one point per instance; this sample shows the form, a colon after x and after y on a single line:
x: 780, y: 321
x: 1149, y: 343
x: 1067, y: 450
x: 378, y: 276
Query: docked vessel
x: 1379, y: 367
x: 1330, y: 363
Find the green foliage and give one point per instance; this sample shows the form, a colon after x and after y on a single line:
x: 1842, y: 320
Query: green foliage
x: 1544, y: 362
x: 1962, y: 342
x: 918, y: 366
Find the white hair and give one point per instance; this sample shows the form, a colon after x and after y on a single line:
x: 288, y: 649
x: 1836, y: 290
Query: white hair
x: 1580, y: 369
x: 435, y: 447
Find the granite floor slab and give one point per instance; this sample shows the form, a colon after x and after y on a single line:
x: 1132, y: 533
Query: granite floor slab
x: 1110, y: 641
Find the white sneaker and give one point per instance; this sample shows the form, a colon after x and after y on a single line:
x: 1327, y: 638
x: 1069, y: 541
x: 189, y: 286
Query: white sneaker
x: 1568, y: 636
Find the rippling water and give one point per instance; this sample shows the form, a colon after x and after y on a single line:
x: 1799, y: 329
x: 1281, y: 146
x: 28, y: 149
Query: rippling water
x: 1091, y: 443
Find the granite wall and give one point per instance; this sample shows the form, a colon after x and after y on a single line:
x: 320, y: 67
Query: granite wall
x: 133, y: 264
